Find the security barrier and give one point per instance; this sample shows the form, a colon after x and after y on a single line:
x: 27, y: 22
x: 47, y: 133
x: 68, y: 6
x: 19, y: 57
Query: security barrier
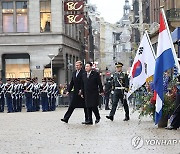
x: 63, y: 100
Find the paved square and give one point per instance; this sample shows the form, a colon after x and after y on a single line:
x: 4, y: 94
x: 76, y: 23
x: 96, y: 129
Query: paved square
x: 44, y: 133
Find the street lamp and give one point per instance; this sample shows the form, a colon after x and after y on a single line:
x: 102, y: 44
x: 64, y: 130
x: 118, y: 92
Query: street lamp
x: 94, y: 33
x: 51, y: 56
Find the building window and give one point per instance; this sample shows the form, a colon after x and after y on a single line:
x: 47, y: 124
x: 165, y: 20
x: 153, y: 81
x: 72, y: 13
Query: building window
x: 21, y: 16
x: 17, y: 68
x: 45, y: 15
x: 47, y: 72
x: 7, y: 10
x: 20, y: 22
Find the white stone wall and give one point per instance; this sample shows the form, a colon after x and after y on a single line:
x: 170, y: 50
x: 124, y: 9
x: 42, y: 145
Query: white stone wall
x: 56, y: 16
x: 34, y: 16
x: 106, y: 46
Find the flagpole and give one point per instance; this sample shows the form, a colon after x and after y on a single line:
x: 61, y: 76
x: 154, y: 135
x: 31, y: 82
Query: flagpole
x: 172, y: 45
x: 149, y: 41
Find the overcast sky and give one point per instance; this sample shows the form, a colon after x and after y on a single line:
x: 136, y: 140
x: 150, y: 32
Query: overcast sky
x: 111, y: 10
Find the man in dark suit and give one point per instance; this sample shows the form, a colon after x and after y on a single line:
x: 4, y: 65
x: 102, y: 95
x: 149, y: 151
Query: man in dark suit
x: 77, y: 101
x: 107, y: 92
x: 91, y: 87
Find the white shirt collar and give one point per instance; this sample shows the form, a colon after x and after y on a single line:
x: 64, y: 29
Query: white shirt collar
x: 89, y: 72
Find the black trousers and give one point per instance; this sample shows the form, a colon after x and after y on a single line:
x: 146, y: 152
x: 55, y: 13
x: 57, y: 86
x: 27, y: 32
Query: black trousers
x: 70, y: 111
x: 2, y: 104
x: 95, y: 111
x: 118, y: 94
x: 107, y: 95
x: 176, y: 120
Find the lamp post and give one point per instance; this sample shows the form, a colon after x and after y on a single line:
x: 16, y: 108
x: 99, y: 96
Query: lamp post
x: 51, y: 56
x: 94, y: 33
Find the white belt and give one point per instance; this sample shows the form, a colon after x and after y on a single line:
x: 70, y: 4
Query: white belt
x: 121, y: 88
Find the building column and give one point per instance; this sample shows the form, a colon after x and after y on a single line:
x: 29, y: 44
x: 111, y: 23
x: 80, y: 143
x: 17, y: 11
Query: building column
x: 39, y: 73
x: 1, y: 28
x: 57, y: 16
x: 61, y: 76
x: 34, y: 17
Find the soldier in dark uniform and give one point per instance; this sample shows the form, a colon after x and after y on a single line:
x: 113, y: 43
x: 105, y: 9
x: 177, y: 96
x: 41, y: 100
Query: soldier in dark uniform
x: 2, y: 100
x: 36, y: 95
x: 44, y: 95
x: 54, y: 93
x: 49, y: 83
x: 8, y: 95
x: 120, y: 85
x: 19, y: 95
x: 107, y: 92
x: 14, y: 105
x: 28, y: 93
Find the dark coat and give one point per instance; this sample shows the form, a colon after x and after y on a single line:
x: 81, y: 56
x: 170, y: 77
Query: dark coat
x: 91, y: 87
x: 75, y: 85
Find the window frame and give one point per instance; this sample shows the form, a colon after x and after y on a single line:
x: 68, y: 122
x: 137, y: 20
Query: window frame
x: 15, y: 15
x: 45, y: 12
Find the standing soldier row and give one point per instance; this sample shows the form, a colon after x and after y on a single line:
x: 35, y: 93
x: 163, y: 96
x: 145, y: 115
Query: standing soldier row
x: 34, y: 93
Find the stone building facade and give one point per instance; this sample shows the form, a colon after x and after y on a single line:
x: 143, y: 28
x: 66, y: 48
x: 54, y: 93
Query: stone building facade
x: 31, y: 31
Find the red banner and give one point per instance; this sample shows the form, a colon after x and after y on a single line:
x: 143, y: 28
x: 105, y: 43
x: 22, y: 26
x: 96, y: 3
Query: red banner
x: 74, y: 6
x: 74, y: 19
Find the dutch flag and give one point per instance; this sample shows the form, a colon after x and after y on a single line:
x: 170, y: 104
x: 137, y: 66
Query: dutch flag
x: 166, y: 59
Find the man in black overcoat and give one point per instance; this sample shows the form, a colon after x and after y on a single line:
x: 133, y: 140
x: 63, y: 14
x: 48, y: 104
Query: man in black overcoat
x: 77, y: 101
x: 175, y: 118
x: 91, y: 88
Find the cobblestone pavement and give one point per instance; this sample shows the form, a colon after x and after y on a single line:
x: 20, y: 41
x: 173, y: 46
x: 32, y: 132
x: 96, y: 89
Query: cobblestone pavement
x: 44, y: 133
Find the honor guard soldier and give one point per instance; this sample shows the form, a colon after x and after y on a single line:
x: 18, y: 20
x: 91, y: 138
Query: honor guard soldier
x: 14, y: 94
x: 44, y: 95
x: 54, y: 93
x: 28, y: 94
x: 2, y: 100
x: 120, y: 85
x: 49, y: 94
x: 8, y: 95
x: 49, y: 83
x: 19, y: 95
x: 36, y: 95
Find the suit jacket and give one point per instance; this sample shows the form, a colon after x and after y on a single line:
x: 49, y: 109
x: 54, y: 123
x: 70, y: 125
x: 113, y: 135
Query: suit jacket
x: 91, y: 87
x: 74, y: 86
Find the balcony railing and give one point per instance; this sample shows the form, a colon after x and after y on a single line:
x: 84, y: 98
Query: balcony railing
x: 173, y: 14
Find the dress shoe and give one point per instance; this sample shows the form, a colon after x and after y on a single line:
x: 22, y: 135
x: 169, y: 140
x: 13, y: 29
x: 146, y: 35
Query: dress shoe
x: 126, y: 119
x: 64, y: 120
x: 88, y: 123
x: 84, y: 122
x: 110, y: 117
x: 97, y: 121
x: 170, y: 128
